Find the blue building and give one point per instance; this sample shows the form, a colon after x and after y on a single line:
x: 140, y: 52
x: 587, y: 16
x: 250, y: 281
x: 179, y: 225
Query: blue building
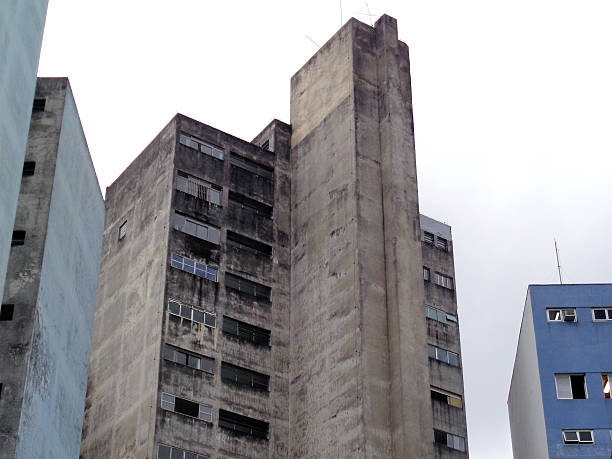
x: 559, y: 403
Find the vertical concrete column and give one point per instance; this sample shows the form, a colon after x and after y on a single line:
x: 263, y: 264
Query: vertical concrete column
x: 411, y: 416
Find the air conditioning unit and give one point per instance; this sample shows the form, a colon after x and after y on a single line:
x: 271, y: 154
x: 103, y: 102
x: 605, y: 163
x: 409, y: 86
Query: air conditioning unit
x: 569, y: 315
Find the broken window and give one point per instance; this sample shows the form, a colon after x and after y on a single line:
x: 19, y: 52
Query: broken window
x: 39, y: 105
x: 443, y: 355
x: 443, y: 281
x: 246, y: 332
x: 446, y: 397
x: 575, y: 437
x: 605, y: 379
x: 28, y: 168
x: 244, y: 377
x: 193, y: 267
x: 6, y: 311
x: 450, y: 440
x: 172, y: 452
x: 243, y: 425
x: 571, y: 386
x: 260, y: 292
x: 200, y: 145
x: 196, y: 228
x: 190, y: 359
x: 442, y: 243
x: 18, y: 238
x: 600, y: 314
x: 440, y: 316
x: 201, y: 189
x: 191, y: 313
x: 180, y: 405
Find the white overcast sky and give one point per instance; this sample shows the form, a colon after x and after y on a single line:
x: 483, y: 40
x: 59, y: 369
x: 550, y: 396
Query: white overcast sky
x: 512, y: 107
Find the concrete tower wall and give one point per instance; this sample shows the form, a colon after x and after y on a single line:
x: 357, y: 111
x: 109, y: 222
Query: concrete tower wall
x: 51, y: 282
x: 21, y: 32
x: 359, y: 365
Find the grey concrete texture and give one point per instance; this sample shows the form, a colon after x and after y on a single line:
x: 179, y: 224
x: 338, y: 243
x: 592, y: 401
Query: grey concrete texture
x: 21, y: 32
x: 52, y: 281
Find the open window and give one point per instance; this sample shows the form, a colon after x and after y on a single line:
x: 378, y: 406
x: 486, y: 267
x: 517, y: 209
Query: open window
x: 606, y: 379
x: 561, y: 315
x: 571, y: 386
x: 575, y: 437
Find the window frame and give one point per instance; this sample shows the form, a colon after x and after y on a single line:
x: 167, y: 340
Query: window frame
x: 181, y: 222
x: 578, y: 441
x: 437, y: 355
x: 199, y: 188
x: 426, y: 274
x: 450, y: 396
x: 428, y: 238
x: 558, y: 376
x: 191, y: 317
x: 170, y: 399
x: 444, y: 281
x: 562, y: 312
x: 187, y: 354
x: 442, y: 243
x: 195, y: 267
x: 201, y: 146
x: 607, y: 313
x: 123, y: 230
x: 453, y: 321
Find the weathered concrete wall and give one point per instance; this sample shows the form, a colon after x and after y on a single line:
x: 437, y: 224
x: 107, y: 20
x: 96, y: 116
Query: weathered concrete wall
x: 21, y: 32
x: 122, y: 396
x: 359, y: 365
x: 52, y: 282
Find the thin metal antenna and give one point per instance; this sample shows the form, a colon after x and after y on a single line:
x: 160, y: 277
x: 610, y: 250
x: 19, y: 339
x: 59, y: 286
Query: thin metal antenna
x: 369, y: 14
x: 315, y: 43
x: 341, y: 21
x: 558, y: 264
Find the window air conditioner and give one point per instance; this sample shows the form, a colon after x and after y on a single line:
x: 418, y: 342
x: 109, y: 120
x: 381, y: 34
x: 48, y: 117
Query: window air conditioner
x: 569, y: 315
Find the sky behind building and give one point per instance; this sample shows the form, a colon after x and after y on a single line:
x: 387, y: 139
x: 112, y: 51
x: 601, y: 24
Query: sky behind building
x: 512, y: 119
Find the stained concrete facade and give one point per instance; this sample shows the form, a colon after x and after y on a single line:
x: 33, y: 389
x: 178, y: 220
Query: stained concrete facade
x: 21, y: 32
x: 50, y: 292
x: 291, y: 268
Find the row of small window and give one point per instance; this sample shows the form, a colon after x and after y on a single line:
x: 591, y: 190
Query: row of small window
x: 452, y: 441
x: 240, y: 330
x: 439, y: 279
x: 569, y: 315
x: 193, y: 267
x: 443, y: 355
x: 236, y: 423
x: 440, y: 316
x: 200, y: 145
x: 580, y: 437
x: 438, y: 242
x: 230, y: 373
x: 574, y: 386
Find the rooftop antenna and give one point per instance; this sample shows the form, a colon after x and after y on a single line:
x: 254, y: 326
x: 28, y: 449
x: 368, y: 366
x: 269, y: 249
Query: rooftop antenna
x: 315, y: 43
x: 558, y: 264
x: 369, y: 14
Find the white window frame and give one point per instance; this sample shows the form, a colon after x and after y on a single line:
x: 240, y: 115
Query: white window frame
x: 444, y: 281
x: 199, y: 188
x: 123, y: 230
x: 202, y: 230
x: 560, y: 376
x: 168, y: 404
x: 201, y: 146
x: 578, y: 432
x: 447, y: 360
x: 426, y: 274
x: 447, y: 319
x: 608, y: 313
x: 186, y: 311
x: 562, y: 312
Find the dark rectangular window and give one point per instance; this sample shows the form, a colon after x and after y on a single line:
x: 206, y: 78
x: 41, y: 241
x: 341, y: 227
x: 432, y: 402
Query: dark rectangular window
x: 245, y: 202
x: 186, y: 407
x: 266, y: 145
x: 252, y: 166
x: 6, y: 311
x: 28, y: 168
x: 18, y: 238
x: 578, y: 386
x: 450, y: 440
x: 248, y: 243
x: 260, y: 292
x: 246, y: 332
x: 0, y: 391
x: 243, y: 425
x: 428, y: 237
x: 426, y: 273
x: 244, y: 377
x: 39, y: 105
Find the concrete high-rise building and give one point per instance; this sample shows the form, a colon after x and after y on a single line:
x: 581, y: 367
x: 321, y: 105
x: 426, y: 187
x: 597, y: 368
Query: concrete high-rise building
x: 21, y: 32
x: 559, y: 402
x: 46, y: 316
x: 281, y: 297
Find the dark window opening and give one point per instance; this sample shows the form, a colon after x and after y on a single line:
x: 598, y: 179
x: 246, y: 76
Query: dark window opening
x: 246, y: 332
x: 0, y: 391
x: 28, y: 168
x: 258, y: 207
x: 247, y: 242
x: 6, y: 311
x: 577, y: 382
x: 260, y: 292
x: 244, y: 377
x: 186, y: 407
x: 252, y: 166
x: 39, y: 105
x: 266, y: 145
x: 243, y: 425
x: 435, y: 395
x: 428, y: 237
x: 18, y: 238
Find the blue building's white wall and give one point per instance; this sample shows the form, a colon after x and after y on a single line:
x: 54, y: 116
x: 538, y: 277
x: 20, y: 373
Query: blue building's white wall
x: 581, y: 347
x: 21, y: 32
x: 54, y: 398
x: 525, y: 407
